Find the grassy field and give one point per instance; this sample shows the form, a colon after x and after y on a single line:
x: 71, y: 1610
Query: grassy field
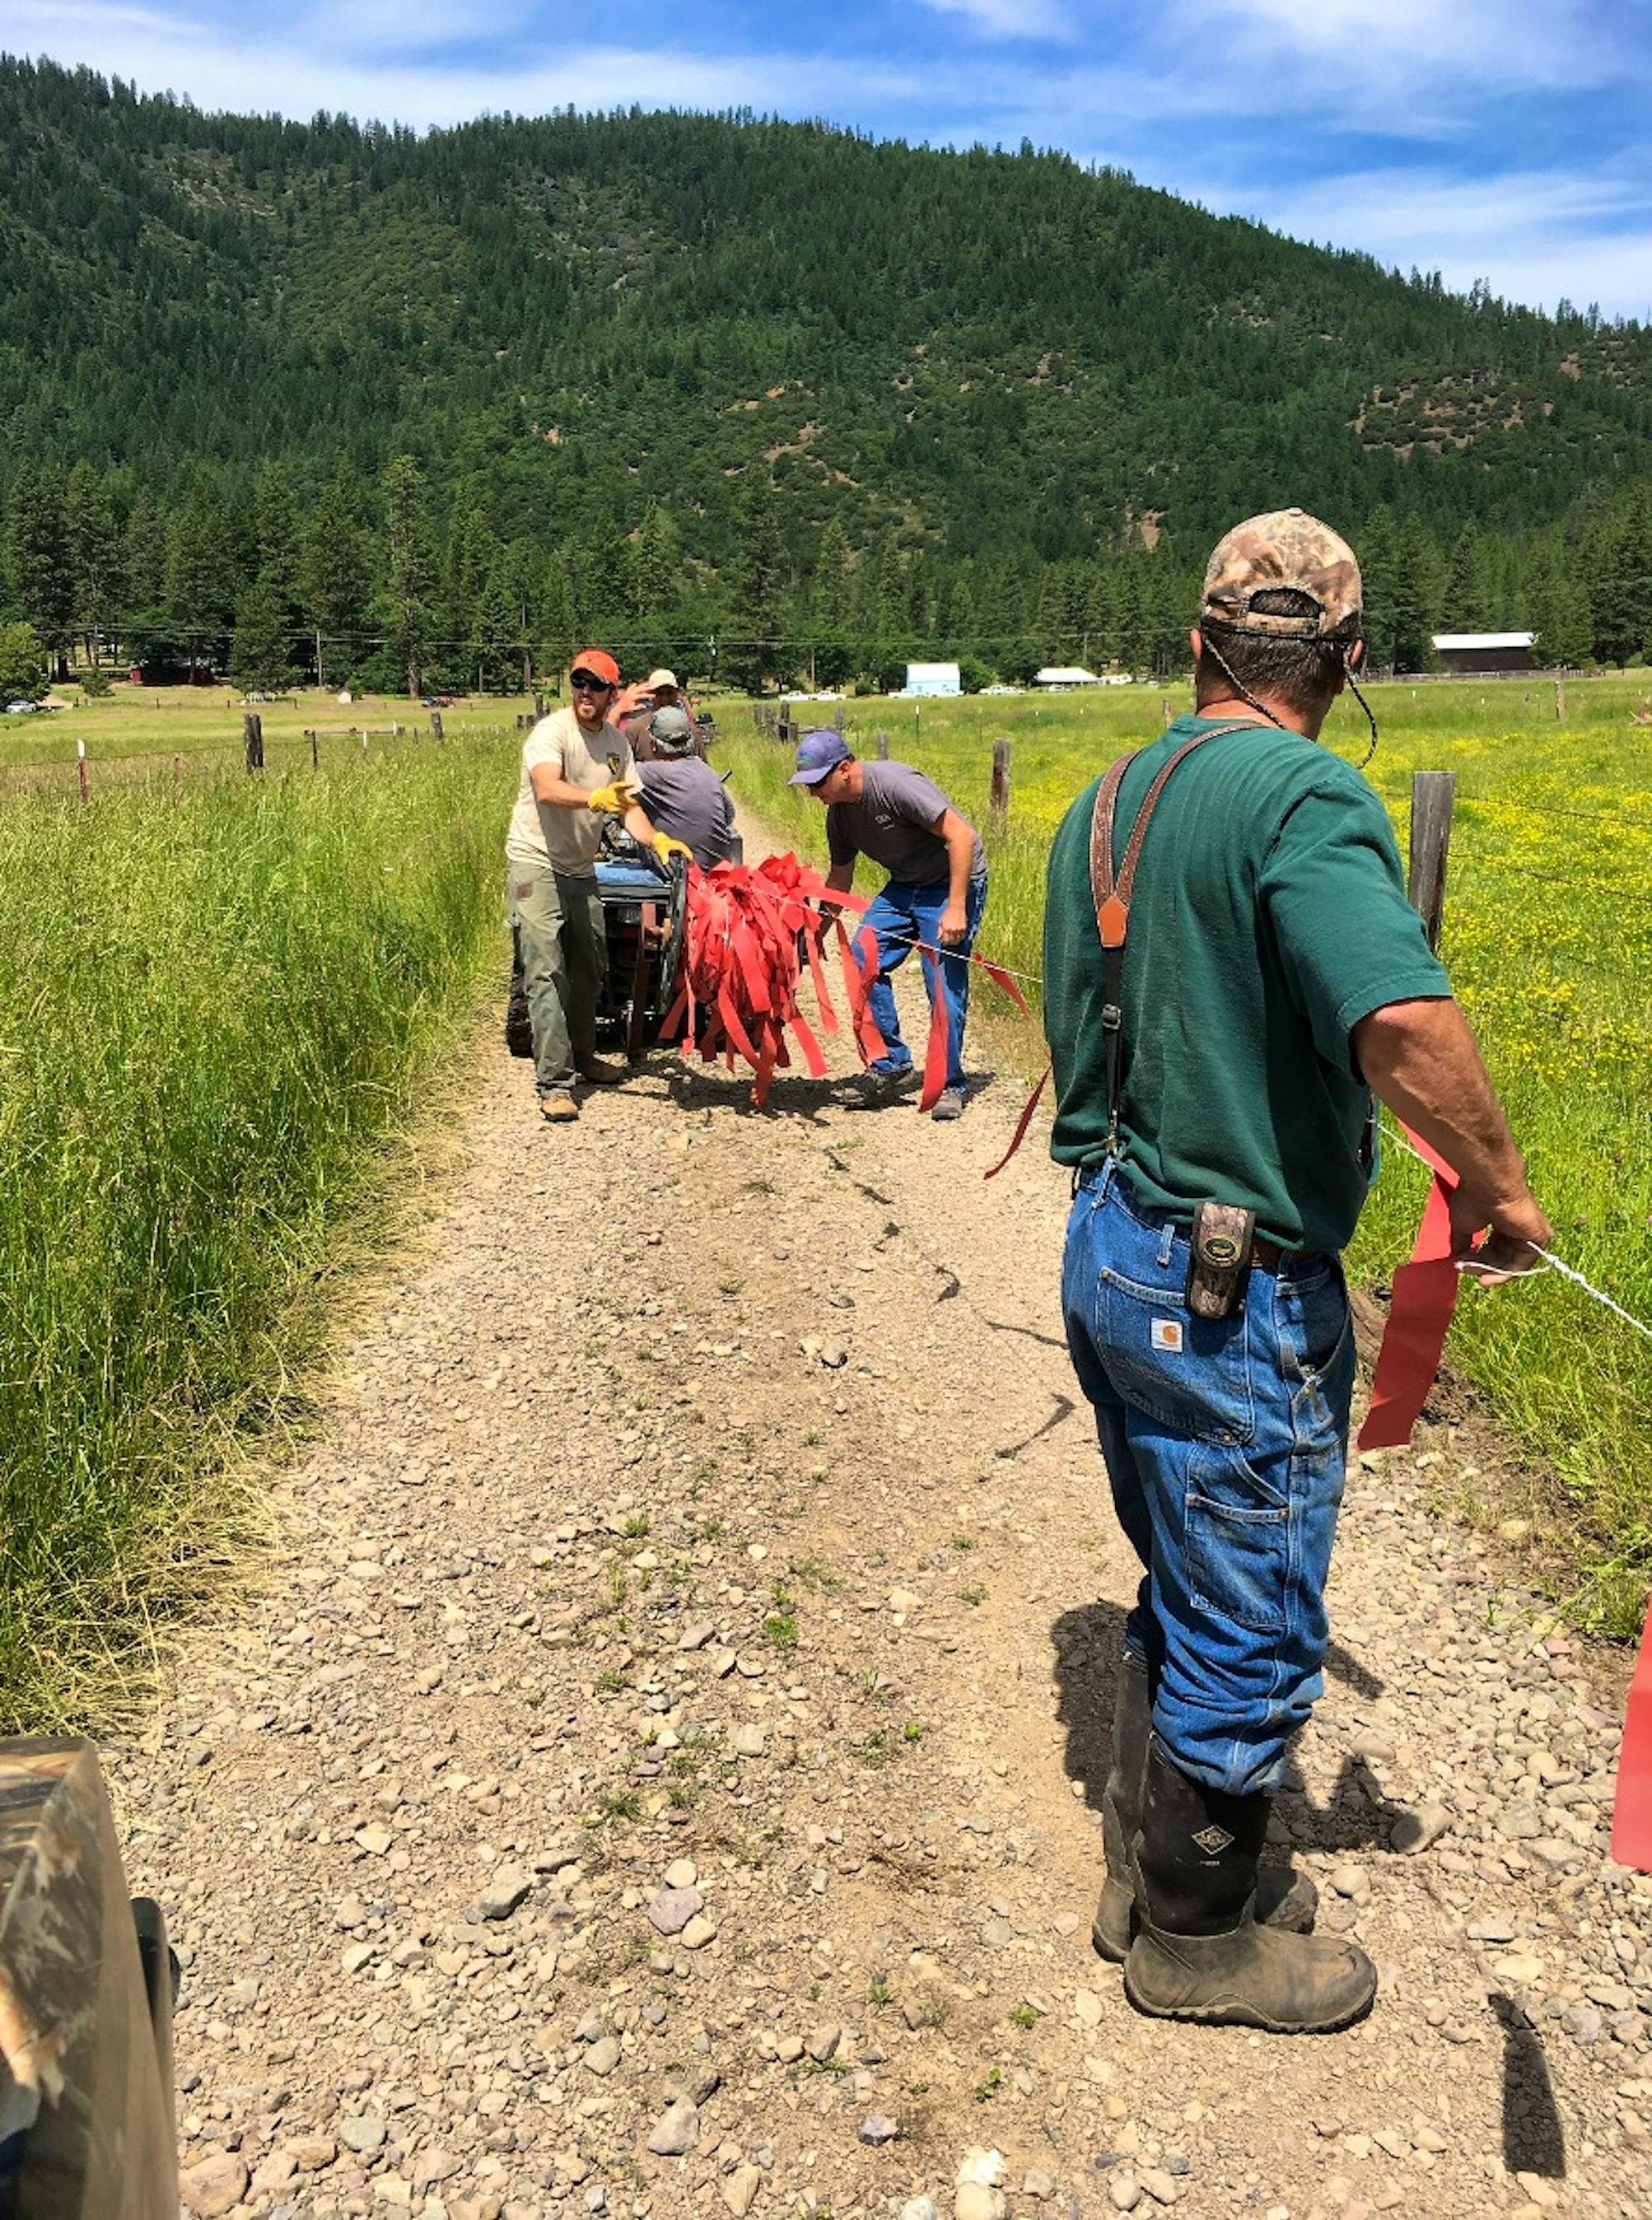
x: 135, y: 731
x: 212, y: 1014
x: 1548, y: 938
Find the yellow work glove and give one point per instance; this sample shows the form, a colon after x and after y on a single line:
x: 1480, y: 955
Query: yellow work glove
x: 613, y: 801
x: 665, y: 847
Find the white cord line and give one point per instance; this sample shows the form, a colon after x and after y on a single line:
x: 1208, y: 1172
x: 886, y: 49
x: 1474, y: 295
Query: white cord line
x: 1547, y: 1260
x: 899, y: 940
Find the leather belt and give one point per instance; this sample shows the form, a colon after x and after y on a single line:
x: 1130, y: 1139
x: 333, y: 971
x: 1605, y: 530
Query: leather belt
x: 1266, y: 1255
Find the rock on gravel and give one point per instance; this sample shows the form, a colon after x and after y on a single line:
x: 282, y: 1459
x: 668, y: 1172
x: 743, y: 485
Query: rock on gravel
x: 504, y: 1892
x: 604, y: 2055
x: 214, y: 2185
x: 738, y: 2190
x: 677, y: 2130
x: 877, y: 2128
x: 673, y: 1908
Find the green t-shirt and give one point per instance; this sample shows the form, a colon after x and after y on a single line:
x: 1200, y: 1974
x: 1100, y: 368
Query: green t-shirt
x: 1269, y: 917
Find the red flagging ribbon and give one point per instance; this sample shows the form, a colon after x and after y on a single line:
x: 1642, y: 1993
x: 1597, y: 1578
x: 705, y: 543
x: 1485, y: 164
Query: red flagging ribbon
x: 749, y: 930
x: 935, y: 1053
x: 1424, y: 1297
x: 1631, y: 1813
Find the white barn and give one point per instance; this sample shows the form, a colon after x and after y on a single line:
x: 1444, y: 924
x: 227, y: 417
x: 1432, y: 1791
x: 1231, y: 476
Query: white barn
x: 932, y: 679
x: 1058, y: 676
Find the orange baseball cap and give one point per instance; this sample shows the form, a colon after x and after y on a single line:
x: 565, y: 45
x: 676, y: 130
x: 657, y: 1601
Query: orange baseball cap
x: 599, y: 664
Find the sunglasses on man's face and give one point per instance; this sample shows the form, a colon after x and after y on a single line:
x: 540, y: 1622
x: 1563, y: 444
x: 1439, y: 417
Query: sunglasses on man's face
x: 587, y: 682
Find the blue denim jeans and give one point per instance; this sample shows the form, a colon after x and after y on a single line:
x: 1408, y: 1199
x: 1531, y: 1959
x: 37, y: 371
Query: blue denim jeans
x: 1224, y: 1443
x: 899, y: 916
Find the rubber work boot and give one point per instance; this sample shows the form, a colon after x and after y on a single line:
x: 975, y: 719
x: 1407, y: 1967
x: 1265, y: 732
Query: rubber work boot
x: 1284, y: 1898
x: 558, y: 1106
x: 1200, y: 1954
x: 596, y: 1073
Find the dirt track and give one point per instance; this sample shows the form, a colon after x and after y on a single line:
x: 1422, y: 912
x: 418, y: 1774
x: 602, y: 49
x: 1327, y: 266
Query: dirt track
x: 713, y: 1492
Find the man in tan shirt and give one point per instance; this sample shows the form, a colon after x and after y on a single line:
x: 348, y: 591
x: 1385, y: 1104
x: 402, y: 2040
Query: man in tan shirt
x: 577, y: 769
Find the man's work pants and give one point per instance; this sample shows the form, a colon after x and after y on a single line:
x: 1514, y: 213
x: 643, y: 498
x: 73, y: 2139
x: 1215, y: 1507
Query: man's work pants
x: 900, y: 918
x: 557, y: 923
x: 1224, y: 1443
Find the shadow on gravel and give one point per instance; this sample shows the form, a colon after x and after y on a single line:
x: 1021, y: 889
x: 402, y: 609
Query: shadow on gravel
x: 1087, y: 1644
x: 1088, y: 1641
x: 1534, y: 2141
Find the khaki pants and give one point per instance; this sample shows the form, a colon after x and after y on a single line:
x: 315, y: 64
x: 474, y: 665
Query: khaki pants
x: 557, y: 922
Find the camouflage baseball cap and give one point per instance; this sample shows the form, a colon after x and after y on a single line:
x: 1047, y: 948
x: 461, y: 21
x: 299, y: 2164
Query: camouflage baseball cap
x: 1286, y: 552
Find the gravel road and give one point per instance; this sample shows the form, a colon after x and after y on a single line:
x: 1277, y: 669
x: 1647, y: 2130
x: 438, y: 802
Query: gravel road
x: 657, y: 1772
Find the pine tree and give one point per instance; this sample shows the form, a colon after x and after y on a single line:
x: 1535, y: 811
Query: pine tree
x: 1560, y: 612
x: 408, y: 590
x: 470, y: 556
x: 200, y: 583
x: 334, y: 587
x: 831, y: 592
x: 94, y: 549
x: 1622, y: 588
x: 261, y: 662
x: 39, y: 565
x: 275, y: 528
x: 653, y: 560
x: 759, y: 576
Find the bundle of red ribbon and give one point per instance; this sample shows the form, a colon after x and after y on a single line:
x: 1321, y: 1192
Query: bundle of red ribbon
x: 750, y: 931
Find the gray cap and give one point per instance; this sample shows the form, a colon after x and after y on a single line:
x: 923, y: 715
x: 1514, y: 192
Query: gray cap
x: 672, y: 730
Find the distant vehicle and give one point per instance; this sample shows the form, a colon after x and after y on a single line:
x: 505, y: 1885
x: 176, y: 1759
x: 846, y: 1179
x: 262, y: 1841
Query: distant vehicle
x: 23, y: 708
x: 436, y: 701
x: 1001, y: 689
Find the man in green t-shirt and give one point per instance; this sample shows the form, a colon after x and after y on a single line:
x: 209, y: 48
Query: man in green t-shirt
x: 1272, y: 977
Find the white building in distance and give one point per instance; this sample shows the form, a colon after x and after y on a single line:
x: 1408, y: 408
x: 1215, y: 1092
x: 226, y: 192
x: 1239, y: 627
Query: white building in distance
x: 1059, y: 676
x: 928, y: 679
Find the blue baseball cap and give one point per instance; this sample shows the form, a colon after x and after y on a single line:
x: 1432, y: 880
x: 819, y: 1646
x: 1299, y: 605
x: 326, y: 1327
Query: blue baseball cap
x: 817, y: 754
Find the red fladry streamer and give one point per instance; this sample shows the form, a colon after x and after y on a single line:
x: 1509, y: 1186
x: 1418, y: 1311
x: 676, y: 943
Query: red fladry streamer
x: 1424, y: 1297
x: 1631, y: 1810
x: 749, y: 931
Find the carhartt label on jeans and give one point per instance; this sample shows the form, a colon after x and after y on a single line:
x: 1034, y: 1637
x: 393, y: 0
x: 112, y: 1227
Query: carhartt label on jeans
x: 1166, y: 1333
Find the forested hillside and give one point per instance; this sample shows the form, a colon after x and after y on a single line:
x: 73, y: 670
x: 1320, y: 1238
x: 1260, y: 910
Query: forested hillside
x: 449, y: 400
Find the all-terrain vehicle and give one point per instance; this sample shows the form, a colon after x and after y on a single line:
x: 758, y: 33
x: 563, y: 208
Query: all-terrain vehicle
x: 644, y: 911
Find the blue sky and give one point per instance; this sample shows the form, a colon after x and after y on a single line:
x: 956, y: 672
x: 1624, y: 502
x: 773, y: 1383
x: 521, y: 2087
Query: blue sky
x: 1497, y: 139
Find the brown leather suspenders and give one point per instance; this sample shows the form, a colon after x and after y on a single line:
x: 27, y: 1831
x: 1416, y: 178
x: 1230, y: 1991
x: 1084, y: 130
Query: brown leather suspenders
x: 1111, y: 897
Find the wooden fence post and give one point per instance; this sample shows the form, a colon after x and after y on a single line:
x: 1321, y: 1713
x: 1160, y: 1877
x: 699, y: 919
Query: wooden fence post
x: 314, y: 750
x: 1559, y: 700
x: 1001, y: 785
x: 80, y: 768
x: 837, y: 719
x: 178, y: 775
x: 539, y: 705
x: 1432, y: 792
x: 252, y: 739
x: 435, y: 724
x: 364, y: 739
x: 1164, y: 703
x: 881, y: 742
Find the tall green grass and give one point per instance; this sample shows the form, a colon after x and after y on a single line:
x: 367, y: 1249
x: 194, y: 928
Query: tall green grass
x: 1549, y: 940
x: 210, y: 1014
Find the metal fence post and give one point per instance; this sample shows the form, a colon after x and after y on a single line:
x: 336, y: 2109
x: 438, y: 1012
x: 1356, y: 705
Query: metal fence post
x: 1432, y: 794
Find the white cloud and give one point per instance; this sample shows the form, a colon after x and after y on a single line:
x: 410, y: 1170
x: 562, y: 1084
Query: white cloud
x: 1420, y: 46
x: 1013, y: 19
x: 1537, y: 235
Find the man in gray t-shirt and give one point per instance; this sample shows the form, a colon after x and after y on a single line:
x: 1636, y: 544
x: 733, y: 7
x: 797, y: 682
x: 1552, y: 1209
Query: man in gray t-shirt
x: 681, y: 793
x: 936, y: 893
